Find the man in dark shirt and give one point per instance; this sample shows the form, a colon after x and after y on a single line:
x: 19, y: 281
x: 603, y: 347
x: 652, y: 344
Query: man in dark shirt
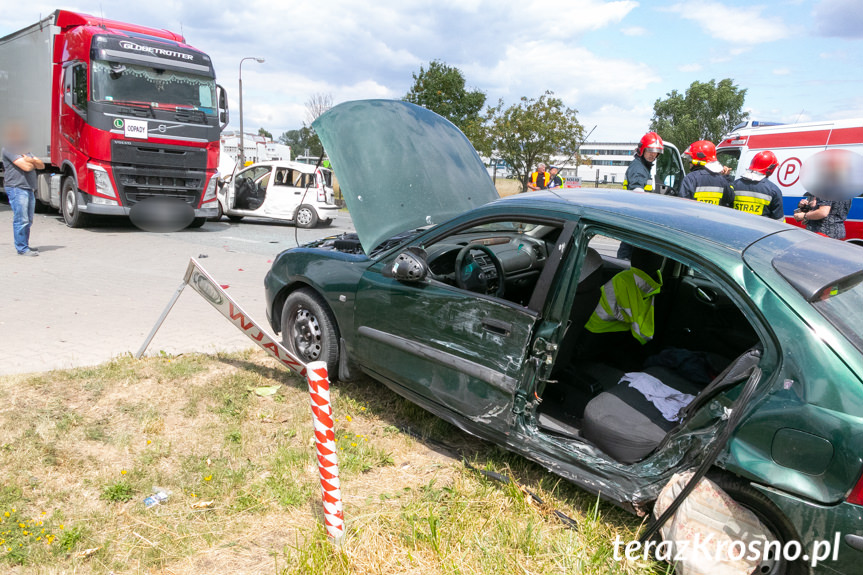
x: 754, y: 193
x: 19, y: 179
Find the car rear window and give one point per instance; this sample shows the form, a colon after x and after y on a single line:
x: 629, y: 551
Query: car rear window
x: 841, y: 306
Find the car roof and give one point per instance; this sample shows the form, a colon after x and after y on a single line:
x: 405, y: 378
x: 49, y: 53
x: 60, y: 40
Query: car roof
x: 725, y: 226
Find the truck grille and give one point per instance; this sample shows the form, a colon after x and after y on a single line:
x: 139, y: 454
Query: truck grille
x: 138, y: 185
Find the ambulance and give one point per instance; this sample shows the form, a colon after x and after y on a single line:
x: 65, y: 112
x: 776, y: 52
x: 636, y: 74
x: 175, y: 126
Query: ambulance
x: 793, y: 144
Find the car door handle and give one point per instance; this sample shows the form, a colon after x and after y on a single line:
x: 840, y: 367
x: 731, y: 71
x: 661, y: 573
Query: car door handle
x: 496, y: 326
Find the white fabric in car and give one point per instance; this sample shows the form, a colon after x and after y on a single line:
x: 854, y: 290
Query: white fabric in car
x: 666, y: 399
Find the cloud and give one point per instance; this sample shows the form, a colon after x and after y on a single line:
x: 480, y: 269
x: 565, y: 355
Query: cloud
x: 744, y: 27
x: 633, y: 31
x: 781, y: 72
x: 838, y: 18
x: 690, y: 68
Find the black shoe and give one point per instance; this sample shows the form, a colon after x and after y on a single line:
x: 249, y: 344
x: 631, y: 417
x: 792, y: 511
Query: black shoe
x: 31, y: 253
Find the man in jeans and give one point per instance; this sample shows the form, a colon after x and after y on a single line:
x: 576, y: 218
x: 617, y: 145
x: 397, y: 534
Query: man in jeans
x: 20, y: 182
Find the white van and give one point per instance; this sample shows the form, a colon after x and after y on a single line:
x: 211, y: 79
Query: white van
x: 280, y: 190
x: 793, y: 144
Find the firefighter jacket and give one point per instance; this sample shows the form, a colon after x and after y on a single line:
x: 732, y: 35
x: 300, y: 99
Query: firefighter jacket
x: 760, y: 198
x: 638, y: 175
x: 626, y: 305
x: 702, y: 185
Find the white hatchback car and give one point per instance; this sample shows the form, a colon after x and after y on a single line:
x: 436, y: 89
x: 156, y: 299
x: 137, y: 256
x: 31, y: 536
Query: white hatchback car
x: 279, y: 190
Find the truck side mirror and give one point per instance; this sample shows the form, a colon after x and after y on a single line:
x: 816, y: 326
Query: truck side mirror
x: 222, y: 97
x: 409, y: 266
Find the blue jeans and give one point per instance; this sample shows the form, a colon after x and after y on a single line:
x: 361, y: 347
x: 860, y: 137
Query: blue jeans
x: 23, y: 203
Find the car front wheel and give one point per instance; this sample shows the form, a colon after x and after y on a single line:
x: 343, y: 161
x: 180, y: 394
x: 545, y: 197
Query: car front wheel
x: 309, y: 329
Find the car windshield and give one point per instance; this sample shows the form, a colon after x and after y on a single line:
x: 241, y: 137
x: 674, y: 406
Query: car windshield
x: 126, y: 83
x: 842, y: 308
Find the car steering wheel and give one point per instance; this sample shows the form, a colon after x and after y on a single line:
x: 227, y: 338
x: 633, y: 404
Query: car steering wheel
x: 470, y: 276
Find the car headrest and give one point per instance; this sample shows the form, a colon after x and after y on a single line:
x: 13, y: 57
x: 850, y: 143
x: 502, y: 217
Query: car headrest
x: 647, y: 261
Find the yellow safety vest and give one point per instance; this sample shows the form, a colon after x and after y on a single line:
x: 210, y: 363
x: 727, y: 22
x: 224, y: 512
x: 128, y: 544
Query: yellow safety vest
x: 627, y: 305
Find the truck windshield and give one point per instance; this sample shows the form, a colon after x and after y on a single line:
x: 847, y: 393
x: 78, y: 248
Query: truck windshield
x: 112, y: 81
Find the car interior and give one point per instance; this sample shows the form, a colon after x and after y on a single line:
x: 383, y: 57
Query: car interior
x: 250, y: 188
x: 623, y: 396
x: 476, y: 259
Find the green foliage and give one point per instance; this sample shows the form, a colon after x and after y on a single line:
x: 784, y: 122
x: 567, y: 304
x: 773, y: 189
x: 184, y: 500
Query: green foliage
x: 118, y: 491
x: 302, y: 140
x: 707, y: 111
x: 265, y: 133
x: 533, y: 130
x: 441, y: 89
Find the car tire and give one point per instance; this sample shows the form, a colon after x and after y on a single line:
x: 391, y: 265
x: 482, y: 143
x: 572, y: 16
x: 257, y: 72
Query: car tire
x: 309, y: 330
x: 770, y: 516
x: 306, y: 217
x: 219, y: 214
x: 69, y: 207
x: 197, y: 223
x: 236, y: 219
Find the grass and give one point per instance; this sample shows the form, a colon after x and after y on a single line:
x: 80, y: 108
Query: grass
x: 81, y: 449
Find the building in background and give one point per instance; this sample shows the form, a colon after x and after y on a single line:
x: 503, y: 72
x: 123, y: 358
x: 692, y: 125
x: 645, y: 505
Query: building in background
x: 607, y: 159
x: 257, y: 148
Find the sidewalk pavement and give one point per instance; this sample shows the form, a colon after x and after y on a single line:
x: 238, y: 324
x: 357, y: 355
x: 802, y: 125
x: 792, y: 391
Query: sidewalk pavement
x: 94, y: 294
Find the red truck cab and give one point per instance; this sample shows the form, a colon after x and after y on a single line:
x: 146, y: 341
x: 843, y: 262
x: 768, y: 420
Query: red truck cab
x: 135, y: 114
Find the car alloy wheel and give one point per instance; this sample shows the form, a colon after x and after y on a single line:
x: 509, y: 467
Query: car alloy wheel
x: 306, y: 331
x: 306, y: 217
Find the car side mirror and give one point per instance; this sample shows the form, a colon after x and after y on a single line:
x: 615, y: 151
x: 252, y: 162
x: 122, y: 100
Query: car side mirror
x: 409, y: 266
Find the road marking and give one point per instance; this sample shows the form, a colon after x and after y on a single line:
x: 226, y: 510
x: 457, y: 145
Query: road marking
x: 241, y: 240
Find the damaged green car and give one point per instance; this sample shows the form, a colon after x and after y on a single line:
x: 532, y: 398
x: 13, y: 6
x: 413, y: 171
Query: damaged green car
x: 476, y: 308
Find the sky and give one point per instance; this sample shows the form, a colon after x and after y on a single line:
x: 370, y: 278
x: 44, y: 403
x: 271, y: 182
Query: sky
x: 610, y: 60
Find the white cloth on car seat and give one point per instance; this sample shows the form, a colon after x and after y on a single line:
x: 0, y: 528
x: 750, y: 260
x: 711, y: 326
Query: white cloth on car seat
x: 666, y: 399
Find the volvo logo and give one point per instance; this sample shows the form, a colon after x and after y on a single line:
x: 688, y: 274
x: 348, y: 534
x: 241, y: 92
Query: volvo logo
x: 162, y: 128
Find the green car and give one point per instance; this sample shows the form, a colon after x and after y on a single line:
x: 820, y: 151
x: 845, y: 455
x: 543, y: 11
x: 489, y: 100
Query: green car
x: 498, y: 315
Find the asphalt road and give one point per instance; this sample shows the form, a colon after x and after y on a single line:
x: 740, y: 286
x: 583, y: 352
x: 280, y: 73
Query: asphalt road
x: 95, y: 293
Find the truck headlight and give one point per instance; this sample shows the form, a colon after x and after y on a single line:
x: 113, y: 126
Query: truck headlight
x: 210, y: 192
x: 103, y: 186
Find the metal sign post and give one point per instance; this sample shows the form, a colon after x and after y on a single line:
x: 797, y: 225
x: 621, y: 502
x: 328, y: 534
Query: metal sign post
x: 315, y: 373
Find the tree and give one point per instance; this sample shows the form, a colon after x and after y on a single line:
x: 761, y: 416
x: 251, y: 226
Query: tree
x: 302, y: 140
x: 441, y: 89
x: 317, y: 105
x: 264, y: 133
x: 708, y: 111
x: 531, y: 131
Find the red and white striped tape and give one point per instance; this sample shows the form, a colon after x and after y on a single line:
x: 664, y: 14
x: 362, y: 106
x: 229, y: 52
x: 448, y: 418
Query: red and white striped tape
x: 325, y: 442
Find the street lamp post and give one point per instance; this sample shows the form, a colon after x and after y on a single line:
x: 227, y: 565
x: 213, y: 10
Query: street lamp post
x: 242, y: 146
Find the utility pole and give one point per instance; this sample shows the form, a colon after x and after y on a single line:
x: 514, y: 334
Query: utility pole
x: 242, y: 144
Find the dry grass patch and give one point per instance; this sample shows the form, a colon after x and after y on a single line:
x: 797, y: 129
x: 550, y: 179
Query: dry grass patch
x: 82, y: 449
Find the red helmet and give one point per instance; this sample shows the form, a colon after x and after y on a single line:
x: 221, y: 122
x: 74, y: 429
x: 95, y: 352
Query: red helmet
x: 702, y: 152
x: 764, y: 163
x: 650, y: 142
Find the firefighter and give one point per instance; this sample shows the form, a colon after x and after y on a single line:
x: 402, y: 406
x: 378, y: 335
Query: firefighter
x: 638, y: 173
x: 539, y: 179
x: 754, y: 193
x: 705, y: 182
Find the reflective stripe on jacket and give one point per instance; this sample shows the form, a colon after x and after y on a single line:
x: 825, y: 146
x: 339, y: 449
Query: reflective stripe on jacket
x: 704, y: 186
x: 762, y: 198
x: 626, y: 304
x: 638, y: 175
x: 545, y: 179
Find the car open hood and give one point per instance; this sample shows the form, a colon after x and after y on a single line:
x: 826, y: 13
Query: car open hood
x: 401, y: 167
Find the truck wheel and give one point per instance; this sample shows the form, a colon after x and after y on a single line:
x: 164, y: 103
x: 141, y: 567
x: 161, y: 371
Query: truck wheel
x: 197, y: 223
x: 309, y: 329
x: 236, y: 219
x: 769, y: 515
x: 69, y: 205
x: 220, y: 213
x: 306, y: 217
